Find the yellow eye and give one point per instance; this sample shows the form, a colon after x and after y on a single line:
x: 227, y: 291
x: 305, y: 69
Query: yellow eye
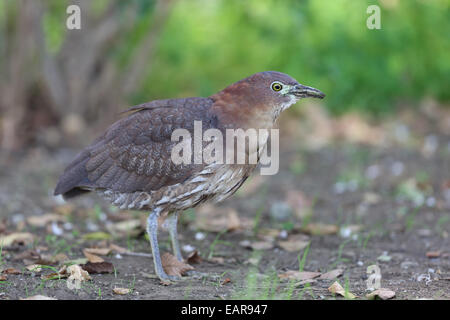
x: 276, y: 86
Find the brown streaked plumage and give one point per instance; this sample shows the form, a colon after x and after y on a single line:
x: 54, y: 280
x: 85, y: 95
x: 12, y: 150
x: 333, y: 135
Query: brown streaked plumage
x: 130, y: 164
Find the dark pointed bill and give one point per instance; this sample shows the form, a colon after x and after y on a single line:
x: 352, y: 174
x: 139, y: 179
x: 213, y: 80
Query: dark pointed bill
x: 302, y: 91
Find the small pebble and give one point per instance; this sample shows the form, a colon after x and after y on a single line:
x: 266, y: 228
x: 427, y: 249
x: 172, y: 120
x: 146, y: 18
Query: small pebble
x: 373, y: 172
x: 91, y: 226
x: 339, y: 187
x: 397, y: 168
x: 188, y: 248
x: 56, y: 230
x: 430, y: 202
x: 68, y: 226
x: 283, y: 234
x: 200, y: 236
x: 280, y: 211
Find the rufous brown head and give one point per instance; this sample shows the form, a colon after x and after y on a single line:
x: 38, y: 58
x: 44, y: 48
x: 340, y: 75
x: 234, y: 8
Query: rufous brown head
x: 260, y: 98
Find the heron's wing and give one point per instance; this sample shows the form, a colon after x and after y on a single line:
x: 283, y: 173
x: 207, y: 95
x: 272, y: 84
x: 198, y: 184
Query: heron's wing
x: 134, y: 154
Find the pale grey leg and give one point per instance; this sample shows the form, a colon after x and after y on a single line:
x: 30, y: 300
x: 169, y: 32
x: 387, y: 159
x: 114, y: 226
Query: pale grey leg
x: 172, y: 224
x: 152, y: 230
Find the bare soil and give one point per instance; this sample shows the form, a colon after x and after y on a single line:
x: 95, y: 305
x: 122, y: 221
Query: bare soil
x: 396, y: 228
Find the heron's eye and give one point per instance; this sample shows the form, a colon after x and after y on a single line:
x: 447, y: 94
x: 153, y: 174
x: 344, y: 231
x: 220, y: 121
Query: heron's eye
x: 276, y: 86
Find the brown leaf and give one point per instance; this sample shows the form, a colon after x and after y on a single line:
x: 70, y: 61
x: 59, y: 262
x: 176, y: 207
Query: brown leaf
x: 3, y: 277
x: 173, y: 267
x: 299, y: 275
x: 121, y: 291
x: 132, y: 227
x: 226, y: 280
x: 76, y: 276
x: 433, y: 254
x: 92, y: 257
x: 194, y: 258
x: 257, y: 245
x: 217, y: 219
x: 333, y: 274
x: 98, y: 251
x: 303, y: 282
x: 99, y: 267
x: 28, y: 256
x: 17, y: 237
x: 262, y: 245
x: 117, y: 249
x: 43, y: 220
x: 62, y: 273
x: 219, y: 260
x: 382, y: 293
x: 48, y: 259
x: 336, y: 288
x: 65, y: 209
x: 294, y: 243
x: 320, y: 229
x: 268, y: 234
x: 34, y: 268
x: 11, y: 271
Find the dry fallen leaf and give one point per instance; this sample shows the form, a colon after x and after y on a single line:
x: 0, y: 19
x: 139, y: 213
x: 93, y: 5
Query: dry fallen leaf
x: 217, y: 219
x: 76, y: 276
x: 333, y: 274
x: 226, y: 280
x: 11, y: 271
x: 173, y: 267
x: 320, y: 229
x: 62, y: 273
x: 99, y: 267
x: 28, y: 256
x: 3, y: 277
x: 294, y: 243
x: 92, y: 257
x: 98, y: 251
x: 303, y: 282
x: 257, y: 245
x: 121, y: 291
x: 381, y: 293
x: 34, y: 268
x: 299, y: 275
x: 43, y: 220
x: 131, y: 227
x: 194, y: 258
x: 219, y: 260
x: 117, y: 248
x: 433, y: 254
x: 38, y: 297
x: 336, y: 288
x: 17, y: 237
x: 65, y: 209
x: 48, y: 259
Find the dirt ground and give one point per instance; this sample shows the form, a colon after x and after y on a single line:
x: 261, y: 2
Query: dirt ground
x: 357, y: 203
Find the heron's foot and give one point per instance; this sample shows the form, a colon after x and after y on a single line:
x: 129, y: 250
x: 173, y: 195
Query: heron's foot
x: 168, y: 278
x: 196, y: 274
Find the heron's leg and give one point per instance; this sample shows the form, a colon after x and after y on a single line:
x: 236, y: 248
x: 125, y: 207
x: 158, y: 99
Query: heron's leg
x: 152, y: 230
x: 172, y: 224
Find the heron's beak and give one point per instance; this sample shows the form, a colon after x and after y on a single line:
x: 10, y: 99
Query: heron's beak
x: 302, y: 91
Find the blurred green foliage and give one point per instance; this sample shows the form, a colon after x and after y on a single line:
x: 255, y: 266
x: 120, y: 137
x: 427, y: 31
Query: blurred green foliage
x: 208, y: 44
